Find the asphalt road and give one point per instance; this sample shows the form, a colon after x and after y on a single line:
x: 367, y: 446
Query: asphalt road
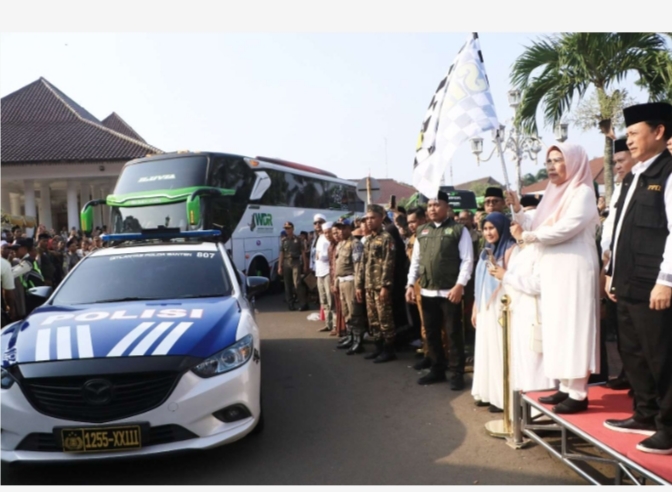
x: 333, y: 420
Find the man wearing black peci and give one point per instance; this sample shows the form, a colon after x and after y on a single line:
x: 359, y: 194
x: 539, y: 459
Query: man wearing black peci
x: 640, y: 273
x: 442, y: 259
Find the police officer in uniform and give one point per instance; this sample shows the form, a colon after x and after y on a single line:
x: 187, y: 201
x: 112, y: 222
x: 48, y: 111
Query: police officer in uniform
x: 27, y: 271
x: 374, y: 284
x: 348, y: 255
x: 293, y: 255
x: 442, y: 259
x: 641, y: 276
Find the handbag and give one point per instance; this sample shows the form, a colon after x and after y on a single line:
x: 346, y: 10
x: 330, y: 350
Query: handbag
x: 536, y: 338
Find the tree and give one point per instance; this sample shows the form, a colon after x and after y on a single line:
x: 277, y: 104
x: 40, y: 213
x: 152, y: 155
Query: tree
x: 556, y: 70
x: 529, y: 179
x: 542, y: 174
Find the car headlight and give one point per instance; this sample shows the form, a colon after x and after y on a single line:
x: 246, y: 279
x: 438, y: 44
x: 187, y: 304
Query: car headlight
x: 7, y: 379
x: 227, y: 360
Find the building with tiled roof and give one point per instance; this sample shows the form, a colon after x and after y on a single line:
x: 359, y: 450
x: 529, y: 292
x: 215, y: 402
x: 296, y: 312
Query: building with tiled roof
x: 389, y: 187
x: 56, y: 155
x: 479, y: 183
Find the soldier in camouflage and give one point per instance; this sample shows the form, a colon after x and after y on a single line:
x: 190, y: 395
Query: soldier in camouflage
x: 374, y: 284
x: 293, y: 254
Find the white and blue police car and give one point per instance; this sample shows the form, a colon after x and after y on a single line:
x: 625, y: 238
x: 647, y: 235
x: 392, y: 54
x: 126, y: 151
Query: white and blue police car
x: 146, y: 347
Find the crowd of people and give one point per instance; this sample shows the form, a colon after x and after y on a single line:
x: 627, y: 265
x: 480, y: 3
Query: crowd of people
x: 573, y: 268
x: 40, y: 259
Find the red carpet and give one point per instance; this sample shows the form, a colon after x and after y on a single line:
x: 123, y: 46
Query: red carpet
x: 609, y: 404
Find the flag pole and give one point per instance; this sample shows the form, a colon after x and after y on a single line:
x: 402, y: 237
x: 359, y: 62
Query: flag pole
x: 501, y: 155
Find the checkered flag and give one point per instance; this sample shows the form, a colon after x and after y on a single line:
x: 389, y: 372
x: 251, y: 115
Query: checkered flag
x: 461, y: 108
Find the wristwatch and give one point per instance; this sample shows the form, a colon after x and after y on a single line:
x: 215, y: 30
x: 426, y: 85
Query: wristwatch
x: 521, y: 241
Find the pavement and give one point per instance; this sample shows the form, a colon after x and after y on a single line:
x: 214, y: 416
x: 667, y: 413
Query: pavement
x: 332, y: 419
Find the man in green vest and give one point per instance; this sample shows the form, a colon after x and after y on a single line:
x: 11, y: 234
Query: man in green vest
x: 442, y: 259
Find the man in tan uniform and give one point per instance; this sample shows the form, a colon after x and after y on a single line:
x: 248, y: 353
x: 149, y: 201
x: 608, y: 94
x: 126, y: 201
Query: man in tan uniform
x: 348, y: 255
x: 292, y: 251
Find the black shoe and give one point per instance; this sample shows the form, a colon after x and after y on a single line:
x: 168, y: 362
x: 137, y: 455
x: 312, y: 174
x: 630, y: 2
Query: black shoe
x: 291, y: 307
x: 434, y: 376
x: 326, y: 328
x: 494, y: 409
x: 357, y: 345
x: 305, y: 307
x: 346, y: 342
x: 376, y: 352
x: 457, y: 382
x: 659, y: 443
x: 631, y: 426
x: 554, y: 399
x: 480, y: 403
x: 387, y: 355
x: 570, y: 405
x: 618, y: 384
x: 425, y: 363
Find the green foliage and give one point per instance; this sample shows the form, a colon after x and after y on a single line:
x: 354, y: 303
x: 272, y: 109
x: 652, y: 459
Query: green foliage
x: 556, y: 69
x: 542, y: 174
x: 529, y: 179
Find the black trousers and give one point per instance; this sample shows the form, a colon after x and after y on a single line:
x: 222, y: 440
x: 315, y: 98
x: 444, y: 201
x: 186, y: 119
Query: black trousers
x: 645, y: 345
x: 440, y: 314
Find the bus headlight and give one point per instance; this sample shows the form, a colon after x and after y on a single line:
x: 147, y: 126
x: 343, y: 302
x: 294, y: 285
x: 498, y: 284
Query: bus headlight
x: 227, y: 360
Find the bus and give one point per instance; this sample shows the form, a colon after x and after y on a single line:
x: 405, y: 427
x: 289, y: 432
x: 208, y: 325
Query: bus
x: 248, y: 199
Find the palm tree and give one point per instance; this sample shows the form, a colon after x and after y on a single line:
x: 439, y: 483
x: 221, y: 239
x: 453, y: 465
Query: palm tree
x: 556, y: 69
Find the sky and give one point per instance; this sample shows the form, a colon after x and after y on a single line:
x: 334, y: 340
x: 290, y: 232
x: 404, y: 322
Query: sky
x: 349, y: 103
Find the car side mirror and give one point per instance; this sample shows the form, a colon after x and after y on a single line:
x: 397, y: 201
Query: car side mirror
x: 44, y: 291
x: 256, y: 285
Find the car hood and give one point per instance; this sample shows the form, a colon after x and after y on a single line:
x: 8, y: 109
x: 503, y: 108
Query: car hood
x: 194, y: 327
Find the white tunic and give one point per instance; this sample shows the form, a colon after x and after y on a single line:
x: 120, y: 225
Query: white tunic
x: 569, y: 276
x: 522, y: 284
x: 488, y: 378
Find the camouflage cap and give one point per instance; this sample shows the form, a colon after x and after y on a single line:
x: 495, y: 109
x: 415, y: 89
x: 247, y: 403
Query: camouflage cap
x: 376, y: 209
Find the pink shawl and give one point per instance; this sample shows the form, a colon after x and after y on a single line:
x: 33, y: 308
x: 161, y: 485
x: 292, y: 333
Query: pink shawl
x: 556, y: 197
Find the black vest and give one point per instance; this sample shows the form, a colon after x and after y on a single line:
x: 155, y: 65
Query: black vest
x: 644, y: 232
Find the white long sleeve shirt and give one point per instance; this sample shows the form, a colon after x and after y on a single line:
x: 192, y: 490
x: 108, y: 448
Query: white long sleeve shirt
x: 608, y: 224
x: 466, y: 265
x: 665, y: 274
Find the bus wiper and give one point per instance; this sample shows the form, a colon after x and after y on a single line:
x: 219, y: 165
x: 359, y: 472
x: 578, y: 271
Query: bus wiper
x: 123, y: 299
x: 200, y: 296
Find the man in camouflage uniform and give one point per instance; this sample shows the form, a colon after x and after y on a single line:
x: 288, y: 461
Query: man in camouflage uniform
x: 293, y: 254
x: 348, y: 256
x: 374, y: 284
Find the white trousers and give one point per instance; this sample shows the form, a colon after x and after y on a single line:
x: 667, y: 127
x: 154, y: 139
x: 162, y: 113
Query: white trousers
x: 577, y: 388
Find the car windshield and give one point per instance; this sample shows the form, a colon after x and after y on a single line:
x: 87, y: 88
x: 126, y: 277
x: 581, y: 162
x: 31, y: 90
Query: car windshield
x: 147, y: 275
x: 134, y: 219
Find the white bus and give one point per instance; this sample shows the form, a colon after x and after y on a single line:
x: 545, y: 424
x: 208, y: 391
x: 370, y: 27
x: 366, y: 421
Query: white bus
x: 247, y: 199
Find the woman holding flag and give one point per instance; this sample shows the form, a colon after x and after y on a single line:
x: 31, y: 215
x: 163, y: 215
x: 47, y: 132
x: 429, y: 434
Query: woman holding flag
x: 564, y: 229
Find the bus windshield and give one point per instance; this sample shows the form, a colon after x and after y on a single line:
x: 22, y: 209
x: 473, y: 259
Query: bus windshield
x: 133, y: 219
x: 162, y: 174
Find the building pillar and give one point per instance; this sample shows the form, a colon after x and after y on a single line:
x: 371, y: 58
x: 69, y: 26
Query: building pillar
x: 29, y: 196
x: 6, y: 202
x: 45, y: 205
x: 15, y: 203
x: 73, y: 210
x: 29, y: 205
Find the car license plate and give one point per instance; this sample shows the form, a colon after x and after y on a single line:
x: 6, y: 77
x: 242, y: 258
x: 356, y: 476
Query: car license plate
x: 97, y: 439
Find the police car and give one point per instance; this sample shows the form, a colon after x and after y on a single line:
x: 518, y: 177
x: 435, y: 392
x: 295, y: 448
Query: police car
x: 146, y: 347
